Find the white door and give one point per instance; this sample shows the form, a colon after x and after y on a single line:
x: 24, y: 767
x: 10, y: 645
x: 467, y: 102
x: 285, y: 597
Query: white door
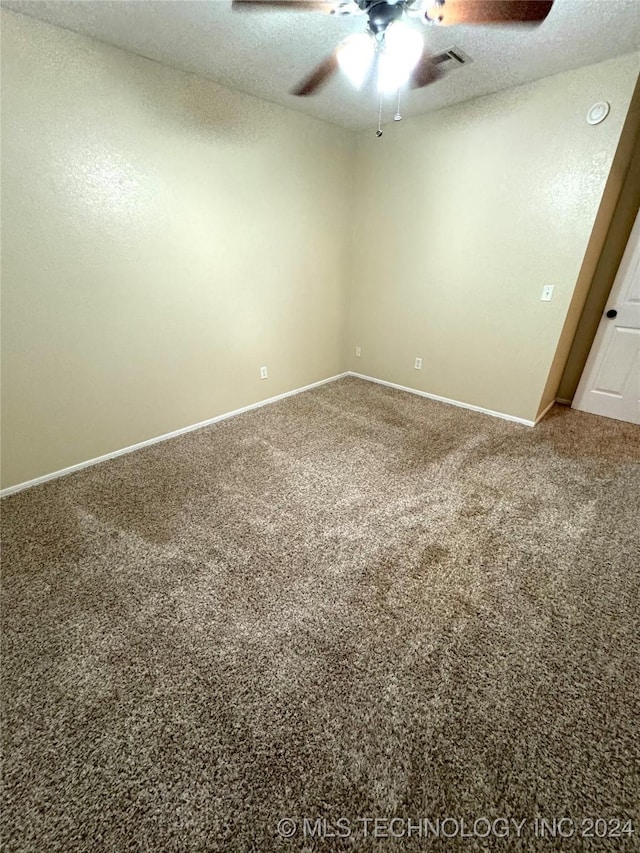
x: 610, y: 383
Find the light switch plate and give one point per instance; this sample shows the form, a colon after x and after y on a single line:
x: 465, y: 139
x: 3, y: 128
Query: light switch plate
x: 547, y: 293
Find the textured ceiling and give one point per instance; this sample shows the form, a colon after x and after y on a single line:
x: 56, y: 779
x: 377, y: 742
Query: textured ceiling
x: 265, y: 53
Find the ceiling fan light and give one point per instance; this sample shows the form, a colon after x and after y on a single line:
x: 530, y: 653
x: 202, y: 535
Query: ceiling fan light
x: 355, y: 57
x: 403, y: 48
x: 400, y: 38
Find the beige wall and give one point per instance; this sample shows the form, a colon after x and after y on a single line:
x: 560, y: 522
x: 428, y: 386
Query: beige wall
x: 462, y: 216
x: 162, y: 239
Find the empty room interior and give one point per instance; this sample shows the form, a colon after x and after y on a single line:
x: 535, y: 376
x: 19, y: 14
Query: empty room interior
x: 320, y: 425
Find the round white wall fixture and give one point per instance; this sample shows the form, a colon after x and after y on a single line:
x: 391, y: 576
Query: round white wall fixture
x: 598, y: 112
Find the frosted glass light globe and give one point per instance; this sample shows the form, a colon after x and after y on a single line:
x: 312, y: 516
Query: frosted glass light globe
x: 402, y: 49
x: 355, y: 57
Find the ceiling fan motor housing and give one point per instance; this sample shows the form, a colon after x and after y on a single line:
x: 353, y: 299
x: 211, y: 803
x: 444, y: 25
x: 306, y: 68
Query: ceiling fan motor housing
x: 382, y: 13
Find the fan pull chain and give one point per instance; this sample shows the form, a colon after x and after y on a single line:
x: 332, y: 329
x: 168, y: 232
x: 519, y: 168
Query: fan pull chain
x: 379, y: 130
x: 397, y: 116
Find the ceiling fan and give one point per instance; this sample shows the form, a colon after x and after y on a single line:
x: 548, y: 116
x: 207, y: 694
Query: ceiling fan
x: 390, y: 47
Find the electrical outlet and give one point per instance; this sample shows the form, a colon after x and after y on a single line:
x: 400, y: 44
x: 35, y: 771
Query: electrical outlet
x: 418, y: 364
x: 358, y: 352
x: 547, y: 293
x: 263, y: 373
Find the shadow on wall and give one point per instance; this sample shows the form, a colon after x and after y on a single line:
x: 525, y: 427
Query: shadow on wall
x: 198, y: 106
x: 604, y: 277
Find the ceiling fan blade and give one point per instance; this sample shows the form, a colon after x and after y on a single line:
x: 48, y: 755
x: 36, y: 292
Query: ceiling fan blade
x: 425, y: 72
x: 318, y: 77
x: 452, y: 12
x: 326, y: 6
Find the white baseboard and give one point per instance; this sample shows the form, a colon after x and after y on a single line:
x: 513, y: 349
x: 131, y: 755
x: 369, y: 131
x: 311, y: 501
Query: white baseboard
x: 10, y: 490
x: 493, y: 414
x: 563, y: 402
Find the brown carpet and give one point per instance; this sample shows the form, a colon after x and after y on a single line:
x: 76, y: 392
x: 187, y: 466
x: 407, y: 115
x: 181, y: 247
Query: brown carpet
x: 354, y: 603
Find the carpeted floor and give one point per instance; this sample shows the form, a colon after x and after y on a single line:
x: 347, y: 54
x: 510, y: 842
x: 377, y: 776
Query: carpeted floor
x: 354, y: 603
